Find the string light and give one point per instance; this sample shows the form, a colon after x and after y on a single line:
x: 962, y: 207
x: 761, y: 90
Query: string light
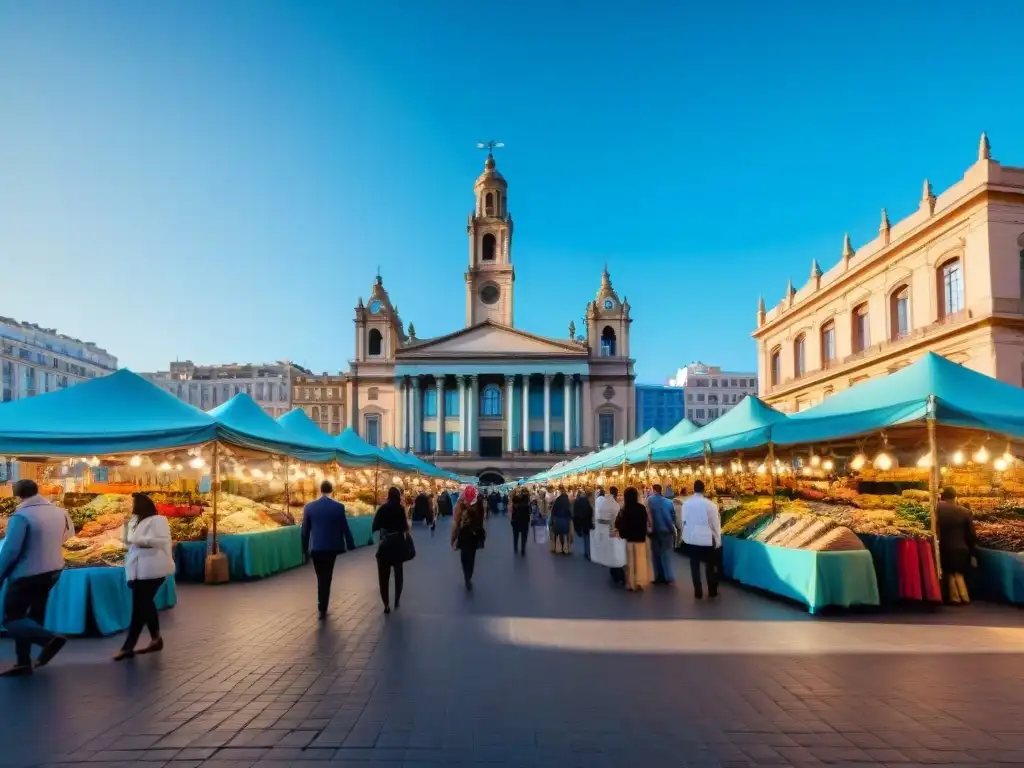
x: 1000, y: 464
x: 815, y: 459
x: 958, y: 458
x: 883, y: 462
x: 165, y: 467
x: 1008, y: 458
x: 828, y: 465
x: 197, y: 463
x: 981, y: 455
x: 719, y: 471
x: 762, y: 469
x: 925, y: 461
x: 178, y: 467
x: 135, y: 461
x: 857, y: 462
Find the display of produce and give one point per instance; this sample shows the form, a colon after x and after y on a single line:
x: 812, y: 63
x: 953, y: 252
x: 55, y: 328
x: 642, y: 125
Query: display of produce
x: 237, y: 514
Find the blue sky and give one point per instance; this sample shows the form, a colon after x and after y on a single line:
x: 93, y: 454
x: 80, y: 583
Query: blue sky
x: 220, y: 181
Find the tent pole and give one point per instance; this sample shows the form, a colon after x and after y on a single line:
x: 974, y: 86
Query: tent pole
x: 707, y: 470
x: 287, y: 498
x: 376, y: 474
x: 934, y: 480
x: 771, y: 472
x: 216, y: 482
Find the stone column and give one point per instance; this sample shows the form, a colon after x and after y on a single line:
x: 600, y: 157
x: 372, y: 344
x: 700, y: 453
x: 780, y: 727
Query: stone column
x: 567, y: 413
x: 510, y: 427
x: 578, y: 441
x: 462, y: 413
x: 417, y: 414
x: 526, y: 413
x: 547, y: 413
x: 439, y: 446
x: 474, y: 409
x: 589, y: 439
x: 400, y: 414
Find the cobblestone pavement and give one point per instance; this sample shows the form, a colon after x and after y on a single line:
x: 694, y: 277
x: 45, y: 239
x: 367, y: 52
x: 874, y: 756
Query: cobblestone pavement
x: 542, y: 664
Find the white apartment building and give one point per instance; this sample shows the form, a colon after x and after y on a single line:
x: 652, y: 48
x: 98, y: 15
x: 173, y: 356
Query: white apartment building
x: 35, y: 360
x: 710, y: 392
x: 207, y: 386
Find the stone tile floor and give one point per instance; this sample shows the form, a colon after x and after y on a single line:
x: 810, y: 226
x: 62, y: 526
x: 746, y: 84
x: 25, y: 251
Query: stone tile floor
x: 542, y: 664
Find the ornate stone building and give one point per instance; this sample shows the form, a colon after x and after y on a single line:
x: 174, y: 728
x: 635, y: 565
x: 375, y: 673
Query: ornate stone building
x: 490, y: 399
x: 949, y: 278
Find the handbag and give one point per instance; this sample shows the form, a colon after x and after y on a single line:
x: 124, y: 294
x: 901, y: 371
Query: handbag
x: 409, y: 550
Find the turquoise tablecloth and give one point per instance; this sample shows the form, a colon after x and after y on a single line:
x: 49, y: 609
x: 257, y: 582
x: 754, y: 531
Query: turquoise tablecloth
x: 96, y: 599
x: 816, y: 579
x: 360, y: 527
x: 1000, y: 575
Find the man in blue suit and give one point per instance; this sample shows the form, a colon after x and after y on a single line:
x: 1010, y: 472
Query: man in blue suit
x: 325, y: 535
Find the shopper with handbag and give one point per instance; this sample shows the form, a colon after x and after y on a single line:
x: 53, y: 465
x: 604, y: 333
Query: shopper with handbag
x: 395, y: 546
x: 468, y: 533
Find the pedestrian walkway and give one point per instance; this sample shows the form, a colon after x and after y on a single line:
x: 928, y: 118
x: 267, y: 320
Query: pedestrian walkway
x: 543, y: 664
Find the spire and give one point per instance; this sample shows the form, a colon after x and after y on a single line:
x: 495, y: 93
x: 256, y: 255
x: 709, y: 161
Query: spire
x: 815, y: 269
x: 984, y: 148
x: 928, y: 197
x: 884, y: 227
x: 790, y: 293
x: 848, y: 251
x: 760, y: 311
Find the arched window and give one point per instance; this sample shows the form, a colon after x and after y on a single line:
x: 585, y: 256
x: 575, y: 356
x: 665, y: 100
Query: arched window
x: 899, y: 313
x: 608, y: 342
x: 490, y: 401
x: 775, y: 367
x: 951, y: 288
x: 861, y: 338
x: 800, y: 356
x: 827, y: 393
x: 828, y: 344
x: 490, y: 246
x: 376, y: 342
x: 489, y: 205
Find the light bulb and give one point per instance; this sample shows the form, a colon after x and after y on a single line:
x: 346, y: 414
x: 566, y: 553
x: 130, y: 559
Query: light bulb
x: 858, y: 462
x: 883, y: 462
x: 197, y: 463
x: 806, y: 471
x: 135, y: 461
x: 925, y: 461
x: 1000, y: 464
x: 178, y: 467
x: 719, y: 471
x: 958, y: 458
x: 815, y: 460
x: 762, y: 469
x: 828, y: 465
x: 1008, y: 458
x: 165, y: 467
x: 981, y: 455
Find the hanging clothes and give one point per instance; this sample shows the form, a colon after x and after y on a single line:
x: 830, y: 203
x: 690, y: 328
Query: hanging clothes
x: 932, y: 591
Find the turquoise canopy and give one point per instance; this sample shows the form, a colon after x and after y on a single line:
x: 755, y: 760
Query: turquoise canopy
x: 748, y: 425
x: 963, y: 398
x: 303, y: 429
x: 672, y: 437
x: 243, y: 422
x: 119, y: 413
x: 639, y: 446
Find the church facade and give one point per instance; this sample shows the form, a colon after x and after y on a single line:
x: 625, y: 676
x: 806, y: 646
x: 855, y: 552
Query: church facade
x: 489, y: 399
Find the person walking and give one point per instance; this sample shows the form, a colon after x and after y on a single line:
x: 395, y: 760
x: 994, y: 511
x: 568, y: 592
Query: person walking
x: 958, y: 546
x: 663, y: 536
x: 702, y: 537
x: 561, y: 522
x: 393, y: 525
x: 520, y: 519
x: 606, y: 512
x: 444, y: 504
x: 468, y: 533
x: 147, y: 565
x: 31, y: 561
x: 325, y: 535
x: 633, y: 524
x: 423, y: 509
x: 583, y: 519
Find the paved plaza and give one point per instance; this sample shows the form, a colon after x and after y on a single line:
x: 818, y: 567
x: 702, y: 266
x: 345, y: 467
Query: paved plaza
x: 543, y: 664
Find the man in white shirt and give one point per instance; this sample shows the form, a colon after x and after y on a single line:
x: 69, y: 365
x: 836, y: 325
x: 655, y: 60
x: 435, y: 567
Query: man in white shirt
x: 702, y: 535
x: 605, y: 511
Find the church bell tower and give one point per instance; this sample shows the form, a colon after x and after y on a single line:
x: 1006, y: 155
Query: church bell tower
x: 490, y: 279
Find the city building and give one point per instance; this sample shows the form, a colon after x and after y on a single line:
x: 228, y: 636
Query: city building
x: 710, y: 391
x: 207, y: 386
x: 323, y: 399
x: 490, y: 399
x: 949, y: 278
x: 35, y: 360
x: 658, y: 407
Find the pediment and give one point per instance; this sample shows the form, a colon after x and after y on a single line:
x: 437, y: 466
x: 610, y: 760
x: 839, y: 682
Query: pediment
x: 490, y: 340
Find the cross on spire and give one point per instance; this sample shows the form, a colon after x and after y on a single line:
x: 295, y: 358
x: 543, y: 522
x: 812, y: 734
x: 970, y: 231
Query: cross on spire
x: 490, y: 146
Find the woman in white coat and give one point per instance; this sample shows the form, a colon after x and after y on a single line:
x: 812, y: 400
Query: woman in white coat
x: 148, y: 563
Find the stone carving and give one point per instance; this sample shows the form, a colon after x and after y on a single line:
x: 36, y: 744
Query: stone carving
x: 609, y: 392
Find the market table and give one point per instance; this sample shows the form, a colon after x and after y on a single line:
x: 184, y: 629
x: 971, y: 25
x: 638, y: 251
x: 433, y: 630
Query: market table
x: 360, y: 527
x: 816, y: 579
x: 86, y: 599
x: 1000, y: 576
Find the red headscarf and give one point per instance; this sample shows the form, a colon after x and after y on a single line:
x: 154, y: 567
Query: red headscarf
x: 469, y: 493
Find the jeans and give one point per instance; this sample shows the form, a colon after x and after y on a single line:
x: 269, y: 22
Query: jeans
x: 384, y: 578
x: 519, y: 538
x: 323, y: 565
x: 708, y: 556
x: 586, y: 544
x: 661, y: 549
x: 144, y: 613
x: 468, y: 557
x: 25, y: 612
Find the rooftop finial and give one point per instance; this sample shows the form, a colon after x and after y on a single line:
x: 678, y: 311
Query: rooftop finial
x: 884, y: 227
x: 490, y: 146
x: 928, y: 197
x: 848, y: 251
x: 815, y: 269
x: 984, y: 148
x: 790, y: 290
